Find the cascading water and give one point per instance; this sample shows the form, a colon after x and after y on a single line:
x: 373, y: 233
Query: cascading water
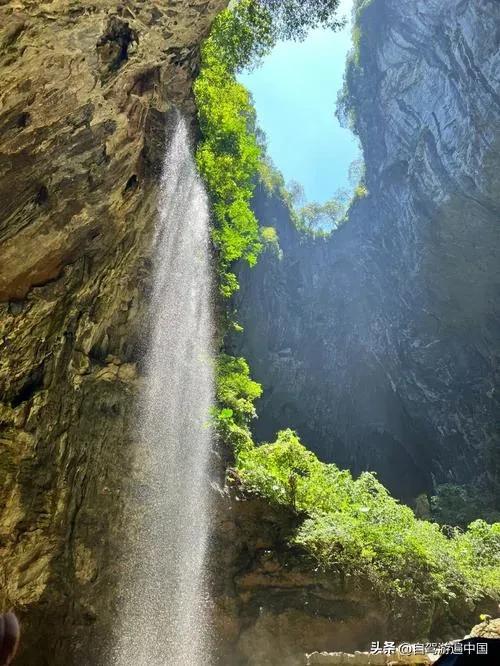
x: 164, y: 619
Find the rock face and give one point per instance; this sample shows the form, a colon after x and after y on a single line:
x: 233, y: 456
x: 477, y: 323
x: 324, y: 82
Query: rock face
x: 273, y: 604
x: 487, y: 629
x: 380, y: 345
x: 88, y: 89
x: 490, y: 628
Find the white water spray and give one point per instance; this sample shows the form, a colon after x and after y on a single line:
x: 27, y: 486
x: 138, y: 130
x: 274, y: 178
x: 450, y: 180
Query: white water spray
x: 164, y: 619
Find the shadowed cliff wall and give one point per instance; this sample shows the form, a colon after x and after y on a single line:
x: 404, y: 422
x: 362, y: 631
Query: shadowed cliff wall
x: 380, y: 345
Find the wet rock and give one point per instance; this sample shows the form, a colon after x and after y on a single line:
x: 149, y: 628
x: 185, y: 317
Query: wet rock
x: 80, y: 84
x: 113, y: 46
x: 273, y: 604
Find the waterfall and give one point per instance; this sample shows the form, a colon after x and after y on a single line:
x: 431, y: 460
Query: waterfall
x: 164, y: 619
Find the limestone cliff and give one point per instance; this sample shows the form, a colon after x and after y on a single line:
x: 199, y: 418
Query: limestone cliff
x: 87, y: 89
x: 380, y: 345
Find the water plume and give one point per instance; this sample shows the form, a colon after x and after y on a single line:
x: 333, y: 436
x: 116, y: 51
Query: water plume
x: 164, y: 617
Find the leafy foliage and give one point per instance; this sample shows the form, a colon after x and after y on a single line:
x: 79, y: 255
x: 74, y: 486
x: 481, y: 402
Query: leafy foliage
x: 247, y: 32
x: 459, y: 505
x: 270, y: 240
x: 353, y: 75
x: 270, y: 177
x: 292, y: 19
x: 324, y: 218
x: 243, y: 35
x: 360, y: 191
x: 228, y: 157
x: 357, y: 528
x: 297, y: 193
x: 236, y: 393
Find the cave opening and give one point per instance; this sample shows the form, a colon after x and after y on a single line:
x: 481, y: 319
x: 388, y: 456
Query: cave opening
x: 295, y: 91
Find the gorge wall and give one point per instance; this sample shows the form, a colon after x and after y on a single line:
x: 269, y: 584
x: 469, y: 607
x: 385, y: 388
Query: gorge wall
x: 87, y: 91
x: 380, y: 344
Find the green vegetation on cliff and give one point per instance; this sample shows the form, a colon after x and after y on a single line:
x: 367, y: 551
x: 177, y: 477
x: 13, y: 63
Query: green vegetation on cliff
x: 350, y: 526
x: 230, y: 157
x: 236, y: 394
x: 320, y: 220
x: 354, y: 86
x: 355, y: 527
x: 461, y: 504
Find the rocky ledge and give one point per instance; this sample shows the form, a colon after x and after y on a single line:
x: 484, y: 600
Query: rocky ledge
x: 490, y: 628
x: 273, y: 604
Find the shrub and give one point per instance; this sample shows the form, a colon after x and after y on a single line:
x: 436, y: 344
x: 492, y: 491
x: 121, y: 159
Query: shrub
x: 270, y: 241
x: 236, y: 393
x: 460, y: 505
x: 354, y: 526
x: 228, y: 157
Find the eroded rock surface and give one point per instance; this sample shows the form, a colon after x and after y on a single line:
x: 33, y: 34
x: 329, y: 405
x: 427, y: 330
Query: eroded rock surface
x: 88, y: 90
x: 273, y: 604
x: 380, y: 345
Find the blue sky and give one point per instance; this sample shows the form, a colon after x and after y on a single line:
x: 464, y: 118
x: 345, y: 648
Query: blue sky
x: 295, y: 92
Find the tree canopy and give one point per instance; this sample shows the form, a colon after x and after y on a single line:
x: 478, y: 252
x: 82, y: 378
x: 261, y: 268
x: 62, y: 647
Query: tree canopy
x: 292, y: 19
x: 326, y: 217
x: 249, y: 30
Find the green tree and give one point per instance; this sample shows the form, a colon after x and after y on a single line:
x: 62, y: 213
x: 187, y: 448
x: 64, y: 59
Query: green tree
x: 325, y: 218
x: 248, y: 31
x: 243, y: 35
x: 229, y: 156
x: 292, y: 19
x: 296, y: 192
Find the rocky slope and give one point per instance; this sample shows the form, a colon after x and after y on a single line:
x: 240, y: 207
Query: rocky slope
x: 271, y: 606
x: 380, y: 345
x: 88, y: 88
